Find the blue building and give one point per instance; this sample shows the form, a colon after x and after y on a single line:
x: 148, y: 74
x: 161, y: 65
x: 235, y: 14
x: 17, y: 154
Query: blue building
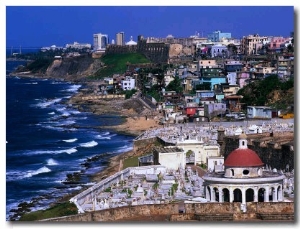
x: 259, y: 112
x: 233, y: 66
x: 217, y: 36
x: 214, y: 80
x: 219, y: 50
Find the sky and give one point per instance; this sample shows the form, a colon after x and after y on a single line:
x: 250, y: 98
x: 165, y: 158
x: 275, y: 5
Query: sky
x: 37, y: 26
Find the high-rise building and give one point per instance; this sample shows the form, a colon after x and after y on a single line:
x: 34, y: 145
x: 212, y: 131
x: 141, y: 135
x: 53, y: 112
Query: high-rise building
x: 100, y: 41
x: 216, y: 36
x: 120, y: 38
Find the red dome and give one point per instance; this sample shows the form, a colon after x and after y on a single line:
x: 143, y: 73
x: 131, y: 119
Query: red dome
x: 243, y: 158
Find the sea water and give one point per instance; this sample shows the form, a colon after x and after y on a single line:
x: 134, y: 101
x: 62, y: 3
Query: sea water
x: 47, y: 139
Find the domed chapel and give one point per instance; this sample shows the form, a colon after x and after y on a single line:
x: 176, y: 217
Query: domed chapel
x: 243, y: 179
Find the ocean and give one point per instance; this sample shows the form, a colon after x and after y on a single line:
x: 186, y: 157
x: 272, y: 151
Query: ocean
x: 47, y: 140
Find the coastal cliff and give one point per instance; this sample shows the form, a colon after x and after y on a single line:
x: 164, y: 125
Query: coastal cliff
x: 73, y: 69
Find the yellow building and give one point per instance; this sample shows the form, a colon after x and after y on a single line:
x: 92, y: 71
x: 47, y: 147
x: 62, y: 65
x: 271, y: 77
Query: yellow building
x: 252, y: 43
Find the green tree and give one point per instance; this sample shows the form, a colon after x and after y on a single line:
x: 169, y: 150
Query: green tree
x: 175, y: 85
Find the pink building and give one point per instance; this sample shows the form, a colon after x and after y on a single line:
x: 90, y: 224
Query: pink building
x: 242, y: 78
x: 276, y: 42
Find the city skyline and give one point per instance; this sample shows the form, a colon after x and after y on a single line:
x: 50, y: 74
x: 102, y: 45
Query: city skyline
x: 79, y: 23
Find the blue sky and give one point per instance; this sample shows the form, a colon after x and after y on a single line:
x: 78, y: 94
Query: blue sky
x: 35, y: 26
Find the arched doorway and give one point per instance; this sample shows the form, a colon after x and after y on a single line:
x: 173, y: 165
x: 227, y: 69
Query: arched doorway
x: 249, y: 195
x: 216, y: 192
x: 261, y: 195
x: 226, y: 195
x: 237, y: 195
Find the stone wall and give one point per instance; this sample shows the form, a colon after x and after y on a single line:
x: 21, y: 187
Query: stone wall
x: 193, y: 211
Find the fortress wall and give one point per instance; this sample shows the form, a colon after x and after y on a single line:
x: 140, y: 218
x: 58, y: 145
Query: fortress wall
x: 172, y: 211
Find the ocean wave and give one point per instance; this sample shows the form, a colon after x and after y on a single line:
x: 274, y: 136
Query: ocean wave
x: 74, y: 188
x: 89, y: 144
x: 65, y: 114
x: 52, y: 162
x: 68, y: 151
x: 47, y: 103
x: 101, y: 137
x: 71, y: 140
x: 38, y: 171
x: 73, y: 88
x: 89, y: 184
x: 18, y: 175
x: 105, y: 136
x: 66, y: 123
x: 32, y: 83
x: 75, y: 112
x: 61, y: 109
x: 125, y: 148
x: 52, y: 113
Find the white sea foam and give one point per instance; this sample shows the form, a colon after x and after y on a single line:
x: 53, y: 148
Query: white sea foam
x: 47, y: 103
x: 51, y: 113
x: 75, y: 188
x: 51, y: 162
x: 68, y: 151
x: 71, y: 140
x: 65, y: 114
x: 105, y: 136
x: 31, y: 173
x: 61, y: 109
x: 74, y: 88
x: 125, y: 148
x: 89, y: 144
x: 66, y: 123
x: 32, y: 83
x: 75, y: 112
x: 89, y: 184
x: 102, y: 137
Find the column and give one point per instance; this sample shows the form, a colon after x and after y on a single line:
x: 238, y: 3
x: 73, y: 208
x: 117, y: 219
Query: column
x: 243, y: 196
x: 221, y: 195
x: 266, y: 194
x: 207, y: 194
x: 280, y: 197
x: 255, y: 198
x: 231, y: 195
x: 213, y: 195
x: 274, y: 195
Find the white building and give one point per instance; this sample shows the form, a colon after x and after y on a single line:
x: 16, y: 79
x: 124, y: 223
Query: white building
x: 244, y: 179
x: 259, y: 112
x: 77, y: 45
x: 100, y: 41
x: 200, y: 150
x: 131, y: 42
x: 170, y: 157
x: 128, y: 84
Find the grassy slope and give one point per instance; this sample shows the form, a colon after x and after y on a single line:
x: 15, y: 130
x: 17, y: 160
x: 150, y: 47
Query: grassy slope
x: 117, y: 63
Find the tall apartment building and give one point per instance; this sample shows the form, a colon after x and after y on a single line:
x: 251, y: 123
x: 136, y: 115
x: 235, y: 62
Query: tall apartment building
x: 100, y: 41
x: 217, y: 36
x: 252, y: 43
x: 120, y: 38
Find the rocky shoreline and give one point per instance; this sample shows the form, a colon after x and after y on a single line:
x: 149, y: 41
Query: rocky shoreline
x: 134, y: 124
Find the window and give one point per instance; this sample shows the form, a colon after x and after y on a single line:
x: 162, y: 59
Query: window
x: 246, y: 172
